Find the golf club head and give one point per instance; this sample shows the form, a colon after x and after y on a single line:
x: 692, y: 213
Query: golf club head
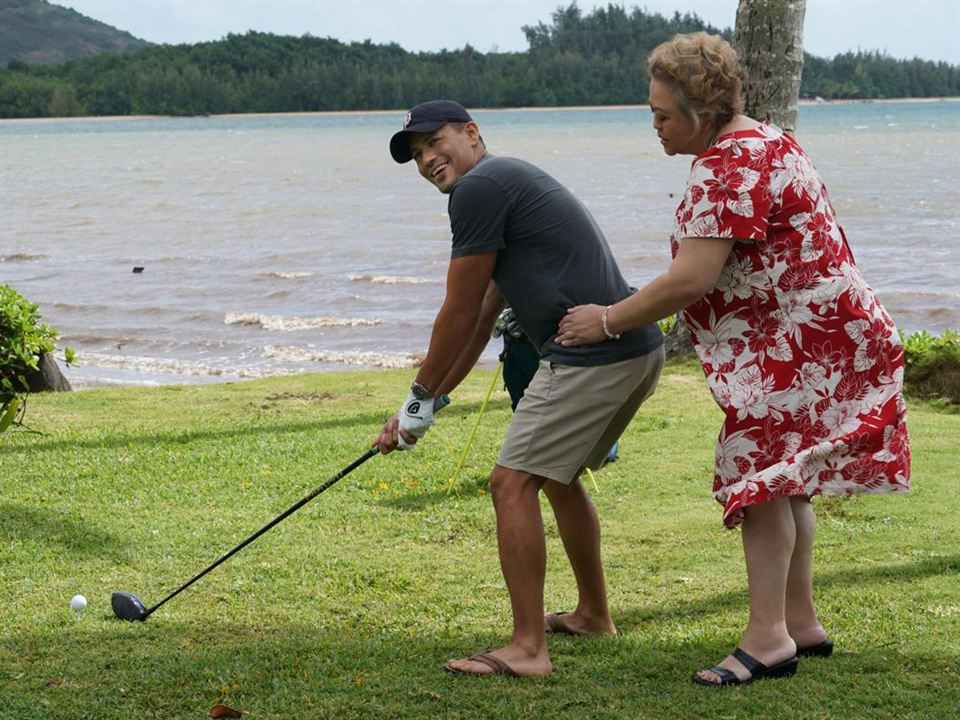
x: 128, y: 607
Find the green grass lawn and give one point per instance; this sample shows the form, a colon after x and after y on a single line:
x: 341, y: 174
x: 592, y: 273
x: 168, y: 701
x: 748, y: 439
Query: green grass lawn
x: 349, y: 608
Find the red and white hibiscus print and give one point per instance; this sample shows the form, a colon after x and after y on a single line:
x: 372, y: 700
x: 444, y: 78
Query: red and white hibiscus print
x: 798, y: 352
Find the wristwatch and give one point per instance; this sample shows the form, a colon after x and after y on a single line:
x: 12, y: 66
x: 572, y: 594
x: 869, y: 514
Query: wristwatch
x: 420, y: 392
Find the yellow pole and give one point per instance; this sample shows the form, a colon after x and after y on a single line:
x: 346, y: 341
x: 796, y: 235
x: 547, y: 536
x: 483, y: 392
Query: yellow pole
x: 452, y: 483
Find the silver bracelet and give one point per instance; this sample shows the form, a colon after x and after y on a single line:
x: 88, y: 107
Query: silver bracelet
x: 606, y: 328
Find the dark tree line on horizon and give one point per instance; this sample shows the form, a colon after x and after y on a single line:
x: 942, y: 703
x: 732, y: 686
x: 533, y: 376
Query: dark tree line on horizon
x: 576, y: 59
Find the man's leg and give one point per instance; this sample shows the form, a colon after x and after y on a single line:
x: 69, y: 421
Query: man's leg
x: 580, y: 530
x: 576, y: 516
x: 802, y: 622
x: 523, y: 558
x: 769, y: 535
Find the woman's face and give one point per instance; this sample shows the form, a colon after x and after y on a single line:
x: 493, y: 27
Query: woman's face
x: 678, y: 133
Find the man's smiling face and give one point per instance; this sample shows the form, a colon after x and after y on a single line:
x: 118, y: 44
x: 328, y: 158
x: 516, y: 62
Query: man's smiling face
x: 447, y: 154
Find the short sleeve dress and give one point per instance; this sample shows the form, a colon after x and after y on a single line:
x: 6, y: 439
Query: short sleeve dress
x: 798, y: 352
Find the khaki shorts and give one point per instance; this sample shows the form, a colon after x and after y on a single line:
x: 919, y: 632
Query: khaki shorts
x: 569, y: 417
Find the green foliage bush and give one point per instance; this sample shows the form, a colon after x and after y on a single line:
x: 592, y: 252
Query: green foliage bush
x: 23, y: 339
x: 666, y: 325
x: 932, y: 365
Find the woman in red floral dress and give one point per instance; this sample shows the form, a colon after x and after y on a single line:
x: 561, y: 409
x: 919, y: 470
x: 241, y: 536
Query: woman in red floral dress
x: 798, y: 352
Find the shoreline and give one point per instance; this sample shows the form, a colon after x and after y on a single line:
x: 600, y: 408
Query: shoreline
x: 546, y: 108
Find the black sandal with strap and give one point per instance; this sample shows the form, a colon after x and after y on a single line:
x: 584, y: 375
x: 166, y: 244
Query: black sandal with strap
x: 823, y: 649
x: 756, y: 669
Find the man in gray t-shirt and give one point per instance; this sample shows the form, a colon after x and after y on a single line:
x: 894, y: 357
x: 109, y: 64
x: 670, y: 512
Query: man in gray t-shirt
x: 519, y: 236
x: 551, y: 255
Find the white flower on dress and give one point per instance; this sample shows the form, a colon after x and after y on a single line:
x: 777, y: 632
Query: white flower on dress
x: 891, y: 444
x: 714, y: 342
x: 758, y: 152
x: 705, y: 226
x: 835, y: 485
x: 794, y: 313
x: 812, y: 378
x: 719, y: 389
x: 751, y: 393
x: 901, y: 482
x: 795, y: 171
x: 841, y: 418
x: 743, y: 204
x: 816, y: 230
x: 732, y: 455
x: 828, y: 291
x: 806, y: 180
x: 770, y: 131
x: 856, y: 287
x: 871, y: 339
x: 738, y: 280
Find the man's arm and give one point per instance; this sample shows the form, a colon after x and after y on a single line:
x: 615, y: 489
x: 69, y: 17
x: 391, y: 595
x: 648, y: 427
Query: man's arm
x: 493, y: 304
x: 468, y: 279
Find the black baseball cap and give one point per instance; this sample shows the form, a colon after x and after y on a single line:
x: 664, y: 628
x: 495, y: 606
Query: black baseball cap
x: 425, y: 118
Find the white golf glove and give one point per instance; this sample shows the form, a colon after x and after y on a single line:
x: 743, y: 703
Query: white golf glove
x: 416, y: 416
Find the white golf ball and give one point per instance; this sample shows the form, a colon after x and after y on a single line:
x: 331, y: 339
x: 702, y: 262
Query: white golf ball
x: 78, y: 603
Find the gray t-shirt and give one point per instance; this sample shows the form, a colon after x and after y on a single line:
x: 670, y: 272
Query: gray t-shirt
x: 551, y: 255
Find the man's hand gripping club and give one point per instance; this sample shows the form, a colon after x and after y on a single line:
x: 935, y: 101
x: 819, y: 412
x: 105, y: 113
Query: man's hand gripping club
x: 411, y: 422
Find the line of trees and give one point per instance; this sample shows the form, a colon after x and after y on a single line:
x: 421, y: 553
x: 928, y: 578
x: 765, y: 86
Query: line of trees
x: 576, y: 59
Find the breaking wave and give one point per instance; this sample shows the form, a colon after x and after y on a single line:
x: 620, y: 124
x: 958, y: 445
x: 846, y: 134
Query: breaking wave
x: 366, y: 359
x: 174, y: 367
x: 393, y: 280
x: 280, y: 322
x: 290, y: 275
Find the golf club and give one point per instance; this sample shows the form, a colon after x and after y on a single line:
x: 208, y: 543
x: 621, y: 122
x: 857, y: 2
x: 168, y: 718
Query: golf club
x: 127, y: 606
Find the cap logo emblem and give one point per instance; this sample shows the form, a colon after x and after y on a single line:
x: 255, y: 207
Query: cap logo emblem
x: 406, y: 120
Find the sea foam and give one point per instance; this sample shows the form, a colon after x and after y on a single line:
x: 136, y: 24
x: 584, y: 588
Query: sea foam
x: 188, y: 368
x: 366, y: 359
x: 393, y: 280
x: 281, y: 322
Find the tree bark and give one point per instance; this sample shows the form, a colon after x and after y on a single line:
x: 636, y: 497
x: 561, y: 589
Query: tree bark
x: 769, y: 42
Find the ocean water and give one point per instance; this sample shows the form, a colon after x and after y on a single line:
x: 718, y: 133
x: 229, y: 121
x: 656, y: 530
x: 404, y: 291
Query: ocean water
x: 283, y: 244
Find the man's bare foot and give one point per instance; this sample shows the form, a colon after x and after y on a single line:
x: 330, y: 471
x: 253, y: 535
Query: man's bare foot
x: 509, y: 660
x: 571, y: 623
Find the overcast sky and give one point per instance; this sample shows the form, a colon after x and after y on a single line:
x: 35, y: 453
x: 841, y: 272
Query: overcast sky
x: 929, y: 29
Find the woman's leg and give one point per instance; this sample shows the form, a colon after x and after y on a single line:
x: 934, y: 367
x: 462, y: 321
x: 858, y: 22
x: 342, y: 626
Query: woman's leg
x: 769, y: 534
x: 802, y: 622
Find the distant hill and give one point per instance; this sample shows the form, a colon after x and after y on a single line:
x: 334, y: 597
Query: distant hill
x: 39, y: 33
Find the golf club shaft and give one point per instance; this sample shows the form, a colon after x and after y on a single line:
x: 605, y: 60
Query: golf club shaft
x: 329, y: 483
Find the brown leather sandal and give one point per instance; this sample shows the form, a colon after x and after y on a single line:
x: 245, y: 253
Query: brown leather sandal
x: 498, y: 666
x: 555, y: 625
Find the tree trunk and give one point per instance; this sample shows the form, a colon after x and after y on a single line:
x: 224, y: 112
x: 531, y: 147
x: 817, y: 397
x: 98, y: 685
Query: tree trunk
x: 769, y: 41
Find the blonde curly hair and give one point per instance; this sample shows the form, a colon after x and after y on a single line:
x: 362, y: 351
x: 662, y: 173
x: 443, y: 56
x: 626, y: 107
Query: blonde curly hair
x: 706, y: 74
